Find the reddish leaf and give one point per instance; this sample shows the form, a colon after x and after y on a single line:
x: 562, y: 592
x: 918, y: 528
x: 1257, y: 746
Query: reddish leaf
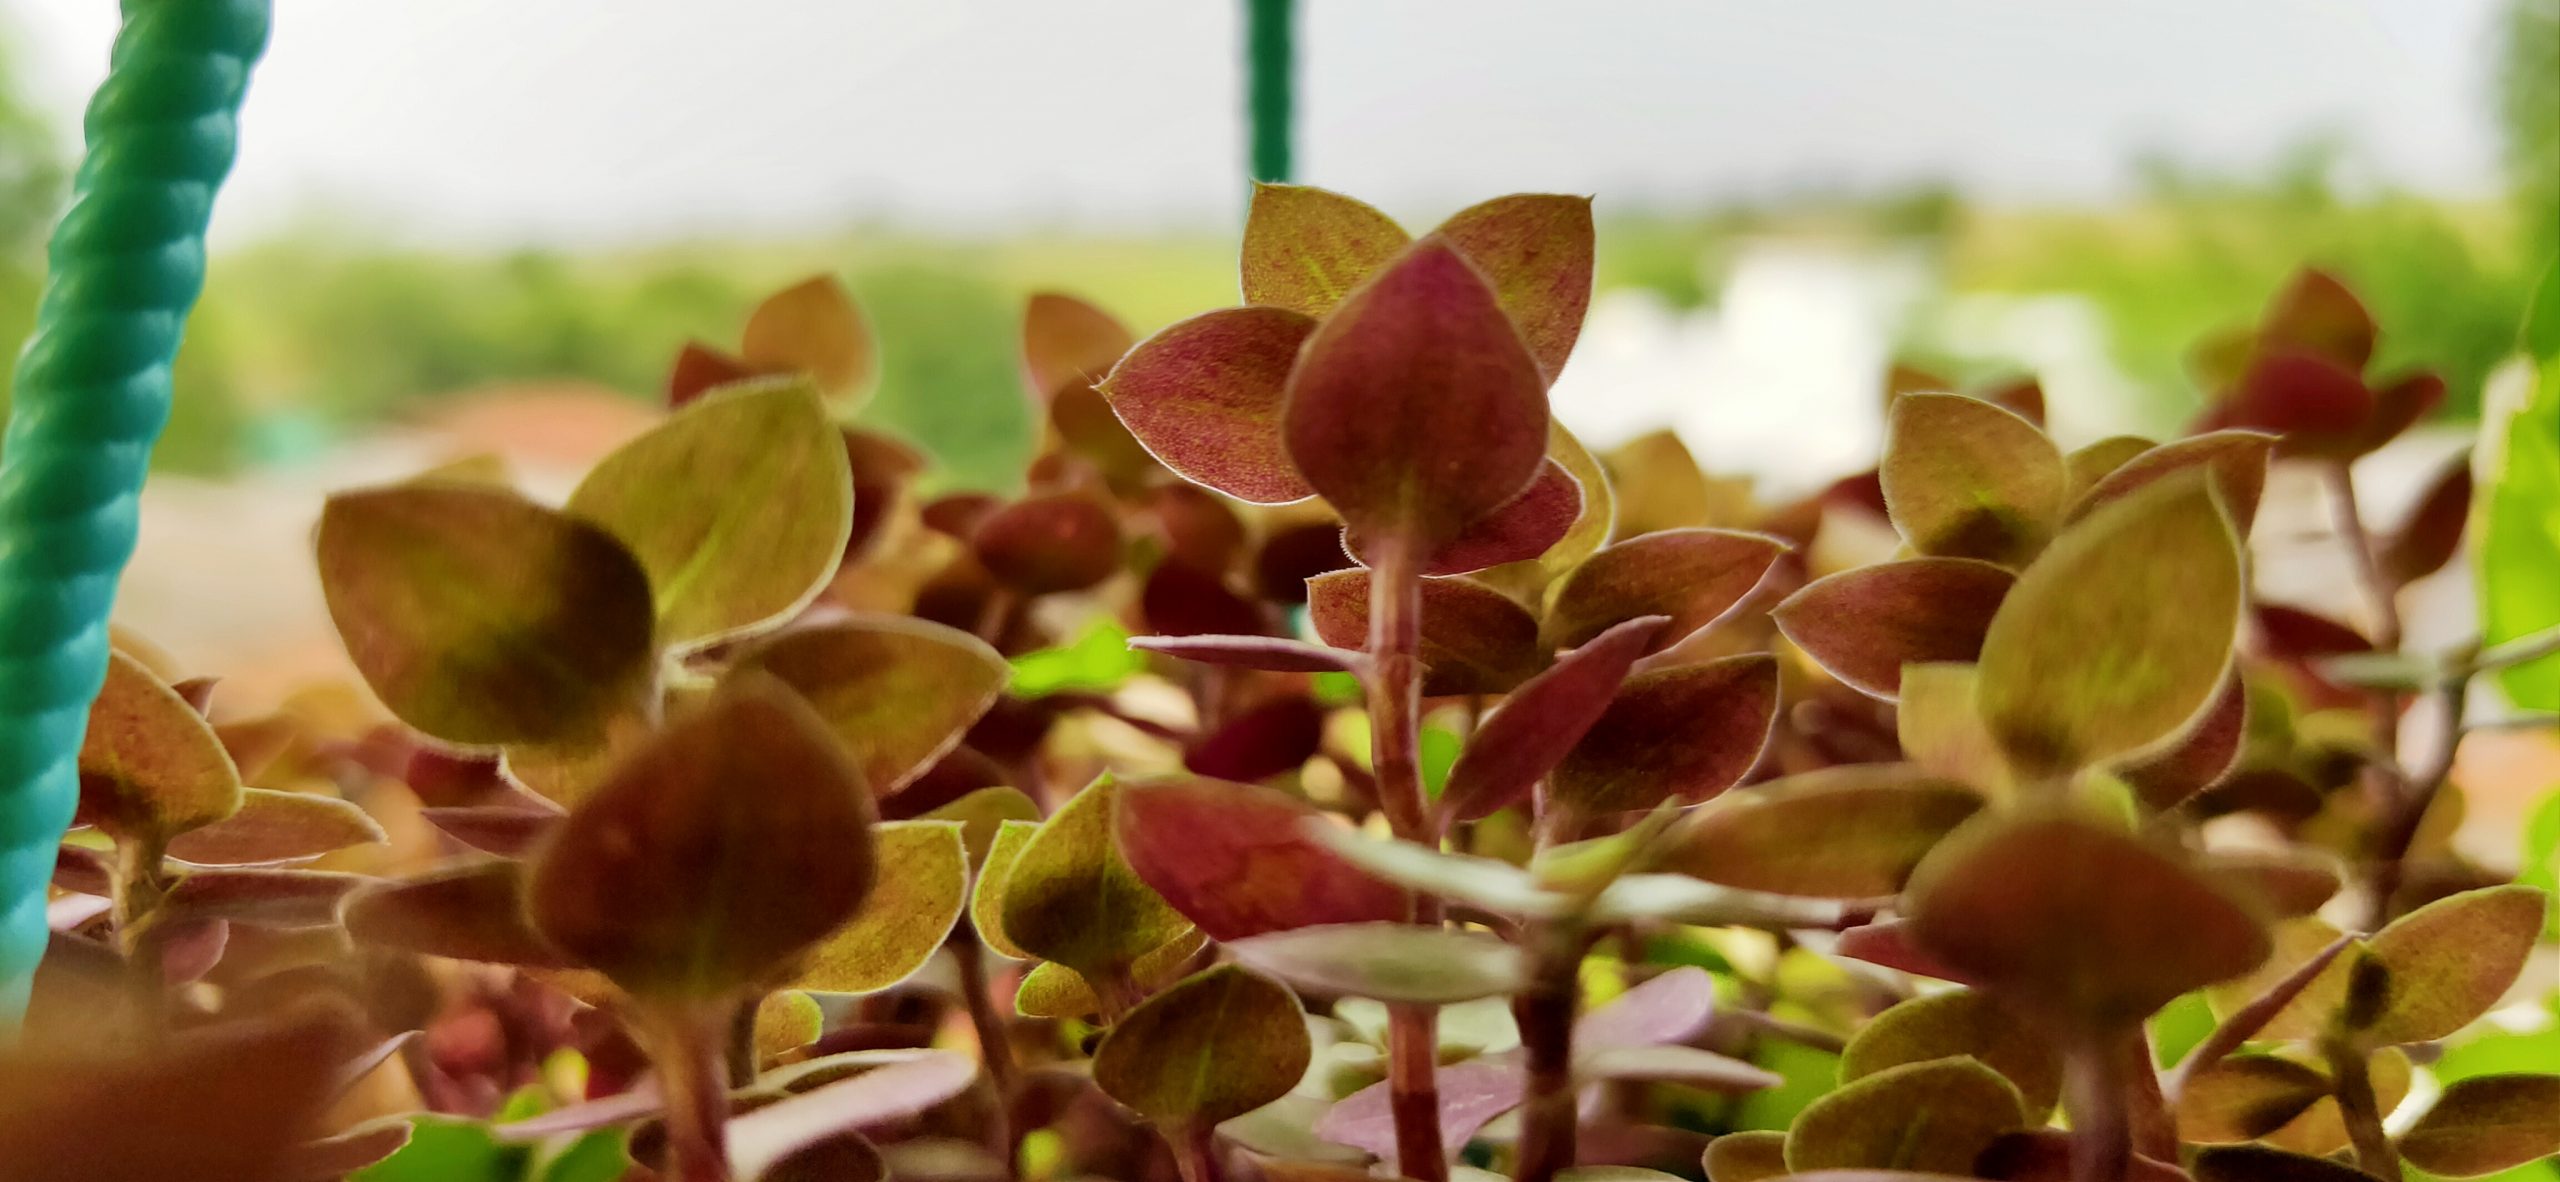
x: 473, y: 911
x: 1305, y: 248
x: 1693, y: 576
x: 2044, y: 1155
x: 1889, y: 943
x: 2398, y: 407
x: 1370, y: 403
x: 1844, y: 832
x: 813, y: 327
x: 1539, y: 723
x: 1205, y: 397
x: 2023, y: 397
x: 1294, y: 554
x: 1200, y: 529
x: 1687, y: 732
x: 1272, y: 739
x: 2259, y: 1163
x: 1272, y: 653
x: 1472, y: 1093
x: 509, y: 831
x: 2432, y: 533
x: 1536, y: 250
x: 2166, y: 778
x: 1067, y: 342
x: 1525, y: 527
x: 273, y: 826
x: 2316, y: 404
x: 1474, y: 639
x: 1671, y: 1008
x: 2292, y: 634
x: 284, y: 898
x: 1050, y: 542
x: 898, y: 692
x: 1865, y: 624
x: 698, y: 369
x: 2317, y: 314
x: 881, y: 467
x: 1183, y: 600
x: 2097, y: 461
x: 1237, y: 861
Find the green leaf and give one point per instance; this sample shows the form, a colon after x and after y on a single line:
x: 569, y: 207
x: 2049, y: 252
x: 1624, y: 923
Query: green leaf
x: 480, y: 617
x: 1098, y: 659
x: 1390, y: 962
x: 2487, y: 1123
x: 923, y: 881
x: 2236, y: 461
x: 1964, y: 478
x: 1960, y: 1022
x: 787, y: 1020
x: 2118, y: 636
x: 1941, y: 729
x: 1052, y: 990
x: 2450, y: 961
x: 1305, y: 248
x: 813, y: 328
x: 2067, y: 915
x: 898, y: 693
x: 2520, y: 529
x: 2246, y: 1097
x: 1211, y: 1048
x: 1694, y: 576
x: 695, y: 500
x: 272, y: 826
x: 986, y: 898
x: 981, y: 813
x: 150, y: 766
x: 1205, y: 394
x: 731, y: 843
x: 1421, y: 345
x: 1936, y: 1116
x: 1070, y: 897
x: 1536, y: 250
x: 1687, y: 733
x: 1846, y: 832
x: 1747, y: 1157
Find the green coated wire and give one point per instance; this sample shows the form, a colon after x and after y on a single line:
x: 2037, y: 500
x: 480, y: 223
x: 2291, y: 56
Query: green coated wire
x: 1270, y: 85
x: 92, y: 392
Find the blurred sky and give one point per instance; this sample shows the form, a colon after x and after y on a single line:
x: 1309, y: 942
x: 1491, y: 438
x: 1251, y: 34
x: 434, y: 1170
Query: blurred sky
x: 586, y: 120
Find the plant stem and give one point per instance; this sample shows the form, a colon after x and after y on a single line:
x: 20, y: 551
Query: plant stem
x: 2409, y: 808
x: 684, y: 1045
x: 2349, y: 1073
x: 2155, y: 1131
x: 2380, y: 597
x: 995, y: 1044
x: 2101, y: 1129
x: 1550, y: 1120
x: 139, y: 887
x: 2245, y: 1023
x: 1195, y: 1152
x: 1395, y: 720
x: 739, y: 1051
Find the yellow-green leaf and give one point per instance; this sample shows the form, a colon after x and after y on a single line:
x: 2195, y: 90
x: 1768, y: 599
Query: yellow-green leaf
x: 923, y: 879
x: 480, y: 617
x: 150, y: 766
x: 1213, y: 1047
x: 1965, y: 478
x: 1754, y: 1156
x: 738, y: 507
x: 1934, y: 1117
x: 898, y: 692
x: 2450, y: 961
x: 2487, y: 1123
x: 1844, y: 832
x: 986, y: 898
x: 1960, y: 1022
x: 1305, y: 248
x: 2119, y: 635
x: 1070, y: 897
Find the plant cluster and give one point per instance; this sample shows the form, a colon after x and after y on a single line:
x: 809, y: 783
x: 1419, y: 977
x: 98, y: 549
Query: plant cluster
x: 1328, y: 769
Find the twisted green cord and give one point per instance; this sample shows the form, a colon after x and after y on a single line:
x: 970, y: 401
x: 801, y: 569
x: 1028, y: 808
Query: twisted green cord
x: 92, y: 393
x: 1269, y: 78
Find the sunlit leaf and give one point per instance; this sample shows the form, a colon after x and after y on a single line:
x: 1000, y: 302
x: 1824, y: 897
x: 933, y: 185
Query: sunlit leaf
x: 1539, y: 723
x: 986, y: 897
x: 694, y: 500
x: 1687, y: 732
x: 1536, y: 251
x: 1070, y: 896
x: 1693, y: 576
x: 981, y: 813
x: 1747, y: 1157
x: 1966, y: 479
x: 1305, y: 248
x: 1211, y: 1048
x: 1421, y: 345
x: 1239, y: 861
x: 480, y: 617
x: 2448, y: 962
x: 2119, y: 635
x: 814, y: 328
x: 150, y: 766
x: 1390, y: 962
x: 1865, y: 624
x: 898, y: 693
x: 734, y: 841
x: 2519, y: 529
x: 786, y: 1020
x: 1474, y: 640
x: 1844, y: 832
x: 1961, y: 1022
x: 923, y: 881
x: 2064, y: 914
x: 1934, y: 1116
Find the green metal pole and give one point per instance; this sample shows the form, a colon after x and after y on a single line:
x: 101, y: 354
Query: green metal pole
x: 1270, y: 85
x: 92, y: 392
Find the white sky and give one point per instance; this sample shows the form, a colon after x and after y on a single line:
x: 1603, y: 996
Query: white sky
x: 580, y: 120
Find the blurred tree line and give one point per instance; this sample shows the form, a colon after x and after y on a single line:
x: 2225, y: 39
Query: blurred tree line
x: 327, y: 331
